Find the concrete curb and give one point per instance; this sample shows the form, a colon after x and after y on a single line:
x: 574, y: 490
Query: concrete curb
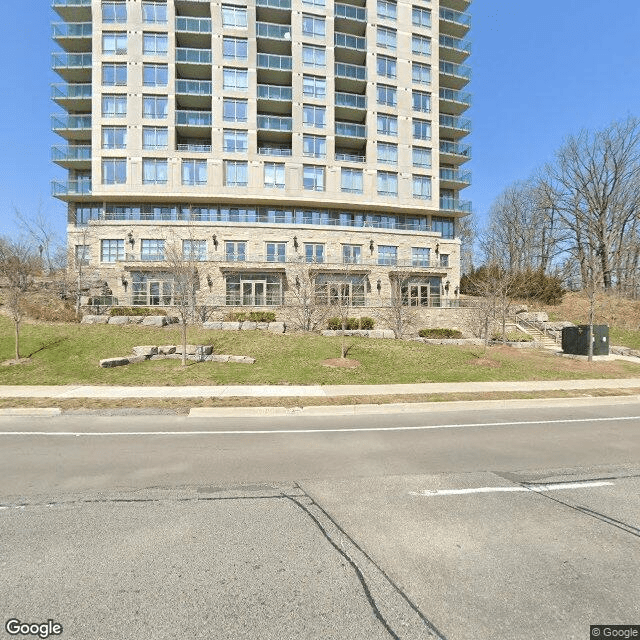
x: 27, y: 412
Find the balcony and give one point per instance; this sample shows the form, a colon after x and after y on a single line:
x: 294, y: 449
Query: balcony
x: 454, y: 178
x: 350, y: 106
x: 454, y: 76
x: 278, y: 11
x: 454, y: 23
x: 73, y: 156
x: 72, y: 127
x: 454, y: 102
x: 73, y: 10
x: 350, y: 49
x: 275, y: 123
x: 454, y: 126
x: 194, y: 147
x: 274, y: 69
x: 72, y: 67
x: 193, y: 32
x: 350, y: 78
x: 72, y: 97
x: 349, y: 12
x: 72, y: 36
x: 273, y: 31
x: 193, y: 94
x: 282, y: 152
x: 350, y: 157
x: 456, y: 5
x: 454, y: 152
x: 453, y: 204
x: 350, y: 130
x: 197, y: 8
x: 193, y: 63
x: 273, y: 62
x: 193, y: 123
x: 454, y: 49
x: 274, y: 92
x: 66, y: 189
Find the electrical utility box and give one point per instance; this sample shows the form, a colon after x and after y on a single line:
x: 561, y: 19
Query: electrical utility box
x: 575, y: 340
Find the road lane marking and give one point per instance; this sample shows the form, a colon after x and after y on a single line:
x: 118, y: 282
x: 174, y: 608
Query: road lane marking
x: 242, y: 432
x: 538, y: 488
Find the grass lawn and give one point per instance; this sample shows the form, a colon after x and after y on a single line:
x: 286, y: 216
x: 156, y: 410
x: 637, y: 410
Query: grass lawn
x: 70, y: 354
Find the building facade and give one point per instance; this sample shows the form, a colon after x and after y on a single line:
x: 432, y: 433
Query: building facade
x: 267, y: 142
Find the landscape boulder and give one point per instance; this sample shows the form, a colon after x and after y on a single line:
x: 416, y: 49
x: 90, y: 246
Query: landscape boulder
x: 276, y: 327
x: 155, y: 321
x: 119, y: 320
x: 89, y: 319
x: 113, y: 362
x: 145, y: 350
x: 247, y: 325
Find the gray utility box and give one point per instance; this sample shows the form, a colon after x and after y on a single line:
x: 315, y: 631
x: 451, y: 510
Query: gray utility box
x: 575, y: 340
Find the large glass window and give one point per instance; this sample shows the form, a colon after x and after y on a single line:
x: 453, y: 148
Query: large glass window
x: 340, y: 290
x: 154, y: 171
x: 422, y: 187
x: 421, y: 101
x: 314, y: 252
x: 233, y: 16
x: 313, y: 56
x: 234, y: 48
x: 254, y: 289
x: 314, y: 3
x: 314, y: 146
x: 386, y: 38
x: 111, y: 250
x: 421, y: 17
x: 420, y: 45
x: 387, y: 255
x: 155, y: 75
x: 314, y: 116
x: 422, y: 292
x: 313, y: 26
x: 351, y: 254
x: 114, y: 171
x: 151, y: 250
x: 114, y: 42
x: 444, y: 226
x: 114, y: 106
x: 387, y: 95
x: 313, y: 178
x: 421, y: 129
x: 114, y: 12
x: 234, y: 110
x: 274, y: 175
x: 314, y: 87
x: 114, y: 137
x: 235, y: 79
x: 387, y: 9
x: 235, y: 251
x: 386, y: 66
x: 351, y: 180
x: 236, y: 173
x: 387, y: 153
x: 194, y: 250
x: 155, y: 44
x: 154, y: 12
x: 387, y: 125
x: 276, y: 251
x: 421, y: 73
x: 154, y: 107
x: 154, y: 138
x: 114, y: 74
x: 235, y: 141
x: 420, y: 256
x: 421, y: 157
x: 194, y: 172
x: 387, y: 184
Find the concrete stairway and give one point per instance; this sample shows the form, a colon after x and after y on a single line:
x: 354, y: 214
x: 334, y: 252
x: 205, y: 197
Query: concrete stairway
x: 540, y: 337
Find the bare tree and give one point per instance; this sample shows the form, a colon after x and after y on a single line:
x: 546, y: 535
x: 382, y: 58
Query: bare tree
x: 397, y: 312
x: 40, y: 233
x: 308, y: 310
x: 19, y: 264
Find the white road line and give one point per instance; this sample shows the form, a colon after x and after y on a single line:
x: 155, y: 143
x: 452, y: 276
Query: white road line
x: 428, y: 493
x: 245, y: 432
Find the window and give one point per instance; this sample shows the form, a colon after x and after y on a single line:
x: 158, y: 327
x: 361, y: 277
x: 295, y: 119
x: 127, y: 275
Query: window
x: 421, y: 101
x: 351, y: 180
x: 154, y: 107
x: 155, y: 44
x: 313, y: 56
x: 194, y: 172
x: 235, y: 251
x: 421, y: 157
x: 114, y: 74
x: 421, y: 17
x: 314, y: 87
x: 421, y: 129
x: 236, y: 173
x: 314, y: 116
x: 234, y: 48
x: 235, y: 141
x: 387, y: 9
x: 155, y: 138
x: 313, y: 178
x: 155, y: 75
x: 420, y: 256
x: 444, y: 226
x: 274, y: 175
x: 114, y: 171
x: 314, y: 146
x: 151, y: 250
x: 422, y: 292
x: 386, y: 66
x: 387, y: 184
x: 420, y: 45
x: 254, y: 289
x: 234, y: 110
x: 351, y: 253
x: 154, y: 12
x: 313, y: 252
x: 194, y: 250
x: 276, y: 251
x: 313, y: 26
x: 422, y: 187
x: 114, y: 42
x: 444, y: 259
x: 235, y: 79
x: 387, y: 125
x: 334, y: 289
x: 387, y: 153
x: 387, y: 255
x: 82, y: 254
x: 114, y: 137
x: 154, y: 171
x: 387, y: 95
x: 386, y: 38
x: 111, y: 250
x: 314, y: 3
x: 234, y: 16
x: 114, y: 106
x: 114, y: 12
x: 421, y: 73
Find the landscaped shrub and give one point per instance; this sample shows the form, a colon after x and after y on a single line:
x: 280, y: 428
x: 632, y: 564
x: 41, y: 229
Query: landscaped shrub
x: 335, y: 324
x: 514, y: 336
x: 251, y: 316
x: 136, y: 311
x: 50, y: 313
x: 440, y: 333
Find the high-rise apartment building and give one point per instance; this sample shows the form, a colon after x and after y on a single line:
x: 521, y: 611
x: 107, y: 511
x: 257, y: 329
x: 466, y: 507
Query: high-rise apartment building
x: 264, y: 136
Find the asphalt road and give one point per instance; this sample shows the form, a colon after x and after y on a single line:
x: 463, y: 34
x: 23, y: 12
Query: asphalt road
x: 483, y: 524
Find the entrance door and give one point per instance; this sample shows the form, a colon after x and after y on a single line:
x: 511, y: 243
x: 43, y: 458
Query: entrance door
x: 154, y: 293
x: 253, y: 293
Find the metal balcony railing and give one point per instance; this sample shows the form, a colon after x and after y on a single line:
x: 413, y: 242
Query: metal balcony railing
x: 452, y: 69
x: 455, y: 43
x: 193, y: 56
x: 193, y: 118
x: 275, y: 151
x: 274, y: 92
x: 349, y: 12
x: 350, y: 100
x: 453, y: 204
x: 351, y: 71
x: 270, y: 61
x: 285, y: 5
x: 194, y: 87
x: 273, y: 31
x: 348, y: 41
x: 62, y: 153
x: 350, y: 157
x: 71, y: 30
x: 275, y: 123
x: 456, y: 175
x: 193, y: 25
x: 70, y: 187
x: 455, y: 122
x: 450, y: 15
x: 350, y: 130
x: 455, y: 148
x: 68, y: 91
x: 455, y: 96
x: 61, y: 60
x: 67, y: 121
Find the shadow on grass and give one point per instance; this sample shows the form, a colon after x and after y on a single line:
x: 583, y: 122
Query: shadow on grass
x: 48, y: 345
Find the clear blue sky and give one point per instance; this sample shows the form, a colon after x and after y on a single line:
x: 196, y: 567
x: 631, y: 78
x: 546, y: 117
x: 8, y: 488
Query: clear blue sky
x: 541, y: 70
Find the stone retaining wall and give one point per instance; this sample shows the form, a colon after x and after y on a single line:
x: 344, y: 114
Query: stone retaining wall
x: 199, y: 353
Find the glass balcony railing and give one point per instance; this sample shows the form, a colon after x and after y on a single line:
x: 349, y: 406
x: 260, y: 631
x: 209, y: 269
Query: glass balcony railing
x: 64, y: 153
x: 194, y: 87
x: 451, y: 69
x: 455, y: 148
x: 71, y: 60
x: 274, y: 92
x: 348, y: 41
x: 69, y: 91
x: 349, y: 12
x: 193, y: 118
x: 350, y: 157
x: 455, y: 96
x: 351, y: 71
x: 455, y: 43
x: 275, y: 4
x: 350, y: 130
x: 275, y: 123
x: 71, y: 30
x: 455, y: 122
x: 269, y: 61
x: 453, y: 204
x: 350, y: 100
x: 193, y: 25
x: 70, y: 3
x: 455, y: 16
x: 194, y: 148
x: 80, y: 187
x: 66, y: 121
x: 455, y: 175
x: 193, y: 56
x: 275, y: 151
x: 273, y: 31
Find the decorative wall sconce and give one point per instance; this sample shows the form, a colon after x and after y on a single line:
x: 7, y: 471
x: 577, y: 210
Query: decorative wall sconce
x: 125, y: 282
x: 131, y: 239
x: 209, y: 282
x: 214, y: 237
x: 457, y: 291
x: 437, y: 248
x: 379, y: 286
x: 297, y: 282
x: 295, y: 242
x: 447, y: 284
x: 371, y: 246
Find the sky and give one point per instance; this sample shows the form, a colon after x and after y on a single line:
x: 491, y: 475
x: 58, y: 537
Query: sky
x: 541, y: 71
